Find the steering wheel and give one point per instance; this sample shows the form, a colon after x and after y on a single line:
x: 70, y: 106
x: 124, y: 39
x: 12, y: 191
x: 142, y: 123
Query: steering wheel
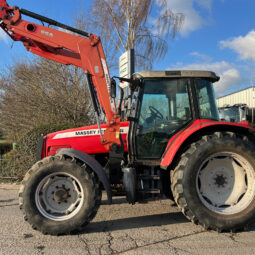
x: 156, y: 113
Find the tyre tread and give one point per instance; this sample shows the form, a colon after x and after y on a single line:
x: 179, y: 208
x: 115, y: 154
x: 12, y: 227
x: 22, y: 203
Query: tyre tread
x: 178, y: 173
x: 89, y: 175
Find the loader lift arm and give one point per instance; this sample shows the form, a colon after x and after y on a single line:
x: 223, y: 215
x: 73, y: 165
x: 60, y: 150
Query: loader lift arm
x: 82, y: 49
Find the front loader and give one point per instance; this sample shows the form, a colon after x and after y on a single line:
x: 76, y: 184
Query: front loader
x: 172, y: 143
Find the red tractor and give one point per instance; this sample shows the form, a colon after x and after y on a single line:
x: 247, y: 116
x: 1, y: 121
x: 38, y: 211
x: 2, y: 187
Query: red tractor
x: 173, y: 143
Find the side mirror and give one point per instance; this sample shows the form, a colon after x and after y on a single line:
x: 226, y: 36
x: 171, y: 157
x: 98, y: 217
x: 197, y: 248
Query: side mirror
x: 113, y: 89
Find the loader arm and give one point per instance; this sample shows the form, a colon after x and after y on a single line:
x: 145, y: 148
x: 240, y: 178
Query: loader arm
x: 82, y: 49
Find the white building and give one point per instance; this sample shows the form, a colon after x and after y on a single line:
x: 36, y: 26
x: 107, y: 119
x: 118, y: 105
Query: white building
x: 244, y: 96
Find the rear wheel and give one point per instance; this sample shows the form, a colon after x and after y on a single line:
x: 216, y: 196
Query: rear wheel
x: 214, y: 183
x: 59, y: 195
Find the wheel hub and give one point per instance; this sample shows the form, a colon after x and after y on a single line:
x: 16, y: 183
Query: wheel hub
x: 61, y: 195
x: 220, y: 180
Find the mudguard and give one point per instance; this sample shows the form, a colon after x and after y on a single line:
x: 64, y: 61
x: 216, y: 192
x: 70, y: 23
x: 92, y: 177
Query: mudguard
x: 197, y: 126
x: 95, y: 166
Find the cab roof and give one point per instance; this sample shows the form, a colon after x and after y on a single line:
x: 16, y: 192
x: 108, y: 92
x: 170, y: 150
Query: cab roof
x: 177, y: 74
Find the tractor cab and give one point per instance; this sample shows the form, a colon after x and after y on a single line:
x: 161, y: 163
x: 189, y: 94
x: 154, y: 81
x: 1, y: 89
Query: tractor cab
x: 168, y: 101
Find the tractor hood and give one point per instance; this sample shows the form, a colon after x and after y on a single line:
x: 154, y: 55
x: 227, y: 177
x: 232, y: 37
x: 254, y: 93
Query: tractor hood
x: 85, y: 139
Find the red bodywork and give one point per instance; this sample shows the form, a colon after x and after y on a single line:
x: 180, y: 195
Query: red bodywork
x: 86, y: 139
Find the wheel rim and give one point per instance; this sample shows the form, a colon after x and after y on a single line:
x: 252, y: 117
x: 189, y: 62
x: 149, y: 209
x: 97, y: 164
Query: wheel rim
x: 226, y: 183
x: 59, y: 196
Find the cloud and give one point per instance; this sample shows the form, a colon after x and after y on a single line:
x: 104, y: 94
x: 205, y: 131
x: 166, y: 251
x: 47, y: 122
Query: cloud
x: 3, y: 36
x: 242, y: 45
x: 230, y: 77
x: 207, y: 4
x: 193, y: 17
x: 201, y: 57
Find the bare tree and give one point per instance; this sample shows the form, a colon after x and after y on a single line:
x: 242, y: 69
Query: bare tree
x: 42, y: 92
x: 134, y: 24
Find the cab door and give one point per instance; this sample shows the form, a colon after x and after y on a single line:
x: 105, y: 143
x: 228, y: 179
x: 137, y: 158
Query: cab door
x: 164, y: 109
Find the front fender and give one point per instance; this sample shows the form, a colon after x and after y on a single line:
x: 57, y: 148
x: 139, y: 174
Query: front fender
x: 93, y: 164
x: 198, y: 128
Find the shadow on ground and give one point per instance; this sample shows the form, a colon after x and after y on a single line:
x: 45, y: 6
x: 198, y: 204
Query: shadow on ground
x: 122, y: 200
x: 139, y: 221
x: 252, y: 228
x: 136, y: 222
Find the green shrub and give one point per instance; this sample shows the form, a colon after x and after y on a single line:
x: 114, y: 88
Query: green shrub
x: 17, y: 162
x: 5, y: 147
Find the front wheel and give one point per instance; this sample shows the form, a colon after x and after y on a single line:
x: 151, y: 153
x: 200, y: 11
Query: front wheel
x: 59, y: 195
x: 214, y: 182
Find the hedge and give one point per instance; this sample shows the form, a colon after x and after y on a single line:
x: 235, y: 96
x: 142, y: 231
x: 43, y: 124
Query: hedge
x: 17, y: 162
x: 5, y: 147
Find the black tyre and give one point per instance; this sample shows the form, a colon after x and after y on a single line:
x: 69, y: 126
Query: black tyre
x: 59, y: 195
x: 214, y: 182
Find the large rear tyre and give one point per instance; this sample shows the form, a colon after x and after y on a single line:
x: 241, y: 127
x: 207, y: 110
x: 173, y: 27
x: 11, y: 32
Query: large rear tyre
x: 59, y: 195
x: 214, y: 182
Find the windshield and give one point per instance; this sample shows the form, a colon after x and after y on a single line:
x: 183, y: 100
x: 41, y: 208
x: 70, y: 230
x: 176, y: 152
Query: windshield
x: 206, y: 99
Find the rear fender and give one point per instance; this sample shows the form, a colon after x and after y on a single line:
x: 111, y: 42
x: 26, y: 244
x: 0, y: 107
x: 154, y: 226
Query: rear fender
x: 93, y: 164
x: 182, y: 139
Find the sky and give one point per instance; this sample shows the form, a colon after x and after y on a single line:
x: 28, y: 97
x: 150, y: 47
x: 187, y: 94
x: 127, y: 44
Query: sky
x: 217, y: 35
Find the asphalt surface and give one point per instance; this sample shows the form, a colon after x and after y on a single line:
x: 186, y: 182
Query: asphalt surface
x: 150, y: 228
